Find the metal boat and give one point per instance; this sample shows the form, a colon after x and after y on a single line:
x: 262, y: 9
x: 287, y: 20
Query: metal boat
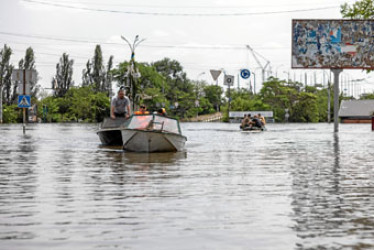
x: 152, y: 133
x: 109, y: 131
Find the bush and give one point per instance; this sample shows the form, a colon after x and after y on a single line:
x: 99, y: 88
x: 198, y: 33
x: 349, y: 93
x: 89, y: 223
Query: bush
x: 12, y: 114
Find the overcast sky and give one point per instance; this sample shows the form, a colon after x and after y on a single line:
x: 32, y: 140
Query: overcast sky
x: 200, y: 34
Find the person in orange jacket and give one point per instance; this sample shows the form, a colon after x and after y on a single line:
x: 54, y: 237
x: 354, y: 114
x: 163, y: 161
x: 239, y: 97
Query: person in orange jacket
x: 142, y: 111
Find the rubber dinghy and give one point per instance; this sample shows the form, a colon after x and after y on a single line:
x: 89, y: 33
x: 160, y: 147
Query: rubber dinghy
x: 253, y: 129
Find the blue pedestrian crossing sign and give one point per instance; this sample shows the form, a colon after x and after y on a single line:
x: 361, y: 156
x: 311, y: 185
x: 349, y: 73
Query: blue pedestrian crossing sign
x: 24, y: 101
x: 245, y: 73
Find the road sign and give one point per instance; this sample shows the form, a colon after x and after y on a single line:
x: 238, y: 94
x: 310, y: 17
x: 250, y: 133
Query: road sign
x: 245, y: 73
x: 215, y: 74
x: 24, y: 101
x: 21, y: 91
x: 30, y: 75
x: 229, y: 80
x: 19, y: 75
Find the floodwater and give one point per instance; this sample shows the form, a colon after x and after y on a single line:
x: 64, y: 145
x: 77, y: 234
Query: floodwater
x: 295, y: 186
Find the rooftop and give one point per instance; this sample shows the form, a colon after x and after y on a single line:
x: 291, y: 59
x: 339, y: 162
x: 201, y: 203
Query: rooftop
x: 356, y: 108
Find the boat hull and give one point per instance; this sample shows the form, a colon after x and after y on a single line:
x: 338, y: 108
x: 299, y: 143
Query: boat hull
x: 152, y: 141
x: 111, y: 137
x: 253, y: 129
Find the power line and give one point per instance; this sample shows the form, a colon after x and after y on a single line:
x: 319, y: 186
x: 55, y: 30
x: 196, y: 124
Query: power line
x: 178, y: 46
x: 179, y: 14
x: 169, y: 6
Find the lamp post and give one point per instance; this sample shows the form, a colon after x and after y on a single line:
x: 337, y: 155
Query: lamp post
x: 197, y: 103
x: 288, y: 76
x: 254, y: 82
x: 276, y: 70
x: 132, y: 69
x: 198, y: 84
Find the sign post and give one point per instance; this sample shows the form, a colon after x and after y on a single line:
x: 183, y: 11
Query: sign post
x: 229, y: 81
x: 24, y: 98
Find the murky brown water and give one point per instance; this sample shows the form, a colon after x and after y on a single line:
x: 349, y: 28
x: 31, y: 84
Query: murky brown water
x: 295, y: 186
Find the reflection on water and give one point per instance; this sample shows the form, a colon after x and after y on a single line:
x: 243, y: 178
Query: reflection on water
x: 295, y: 186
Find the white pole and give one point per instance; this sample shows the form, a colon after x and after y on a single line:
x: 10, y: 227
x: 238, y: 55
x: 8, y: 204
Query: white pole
x: 336, y: 73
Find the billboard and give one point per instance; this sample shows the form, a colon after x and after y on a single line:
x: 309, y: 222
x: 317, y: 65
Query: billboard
x: 339, y: 44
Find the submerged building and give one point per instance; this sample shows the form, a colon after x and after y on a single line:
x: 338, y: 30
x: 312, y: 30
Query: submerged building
x: 356, y: 111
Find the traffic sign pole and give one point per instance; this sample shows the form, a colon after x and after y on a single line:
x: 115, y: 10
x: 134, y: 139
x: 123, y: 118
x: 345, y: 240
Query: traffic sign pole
x: 24, y: 109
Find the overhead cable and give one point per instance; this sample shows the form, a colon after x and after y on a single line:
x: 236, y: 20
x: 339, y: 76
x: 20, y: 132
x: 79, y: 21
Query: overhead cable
x: 179, y: 46
x: 180, y: 14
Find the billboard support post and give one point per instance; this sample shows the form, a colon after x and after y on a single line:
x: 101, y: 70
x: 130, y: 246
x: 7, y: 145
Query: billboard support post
x: 336, y: 73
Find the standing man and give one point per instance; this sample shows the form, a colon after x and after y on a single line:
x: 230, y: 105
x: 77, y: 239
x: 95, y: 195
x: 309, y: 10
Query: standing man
x: 120, y: 106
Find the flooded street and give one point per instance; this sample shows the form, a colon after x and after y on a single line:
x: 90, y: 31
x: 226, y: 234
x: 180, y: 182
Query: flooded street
x: 295, y: 186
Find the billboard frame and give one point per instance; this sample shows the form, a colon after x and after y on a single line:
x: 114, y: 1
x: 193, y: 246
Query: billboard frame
x: 355, y: 49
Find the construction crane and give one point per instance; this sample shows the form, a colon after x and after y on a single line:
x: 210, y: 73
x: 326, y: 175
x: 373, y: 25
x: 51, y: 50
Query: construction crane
x: 263, y: 67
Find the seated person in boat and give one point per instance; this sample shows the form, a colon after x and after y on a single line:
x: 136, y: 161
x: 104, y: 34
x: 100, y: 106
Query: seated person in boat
x: 257, y: 122
x: 262, y: 119
x: 120, y: 105
x: 142, y: 111
x: 246, y: 122
x: 161, y: 112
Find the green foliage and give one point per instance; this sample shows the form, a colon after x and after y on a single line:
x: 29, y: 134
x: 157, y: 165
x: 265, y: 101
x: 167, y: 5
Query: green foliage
x: 213, y: 94
x: 305, y: 109
x: 96, y: 75
x: 162, y: 84
x: 363, y: 9
x: 11, y: 114
x: 6, y: 70
x: 308, y: 105
x: 79, y: 104
x: 368, y: 96
x: 63, y: 79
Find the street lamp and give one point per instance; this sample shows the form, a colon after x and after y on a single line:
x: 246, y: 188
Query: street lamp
x: 276, y: 70
x: 197, y: 103
x: 198, y: 84
x: 132, y: 69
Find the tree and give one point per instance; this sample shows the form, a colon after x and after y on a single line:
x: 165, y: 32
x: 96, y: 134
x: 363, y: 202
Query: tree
x: 181, y: 89
x: 305, y: 109
x: 108, y: 77
x: 150, y: 87
x: 363, y: 9
x: 213, y: 93
x: 63, y: 79
x: 98, y: 70
x: 28, y: 63
x: 86, y: 75
x: 96, y: 75
x: 5, y: 74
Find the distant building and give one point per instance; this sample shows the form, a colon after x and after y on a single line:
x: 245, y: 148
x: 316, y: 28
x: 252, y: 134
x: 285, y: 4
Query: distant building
x: 356, y: 111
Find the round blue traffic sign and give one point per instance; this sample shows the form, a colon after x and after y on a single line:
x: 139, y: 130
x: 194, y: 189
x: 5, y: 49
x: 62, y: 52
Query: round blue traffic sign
x: 245, y: 73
